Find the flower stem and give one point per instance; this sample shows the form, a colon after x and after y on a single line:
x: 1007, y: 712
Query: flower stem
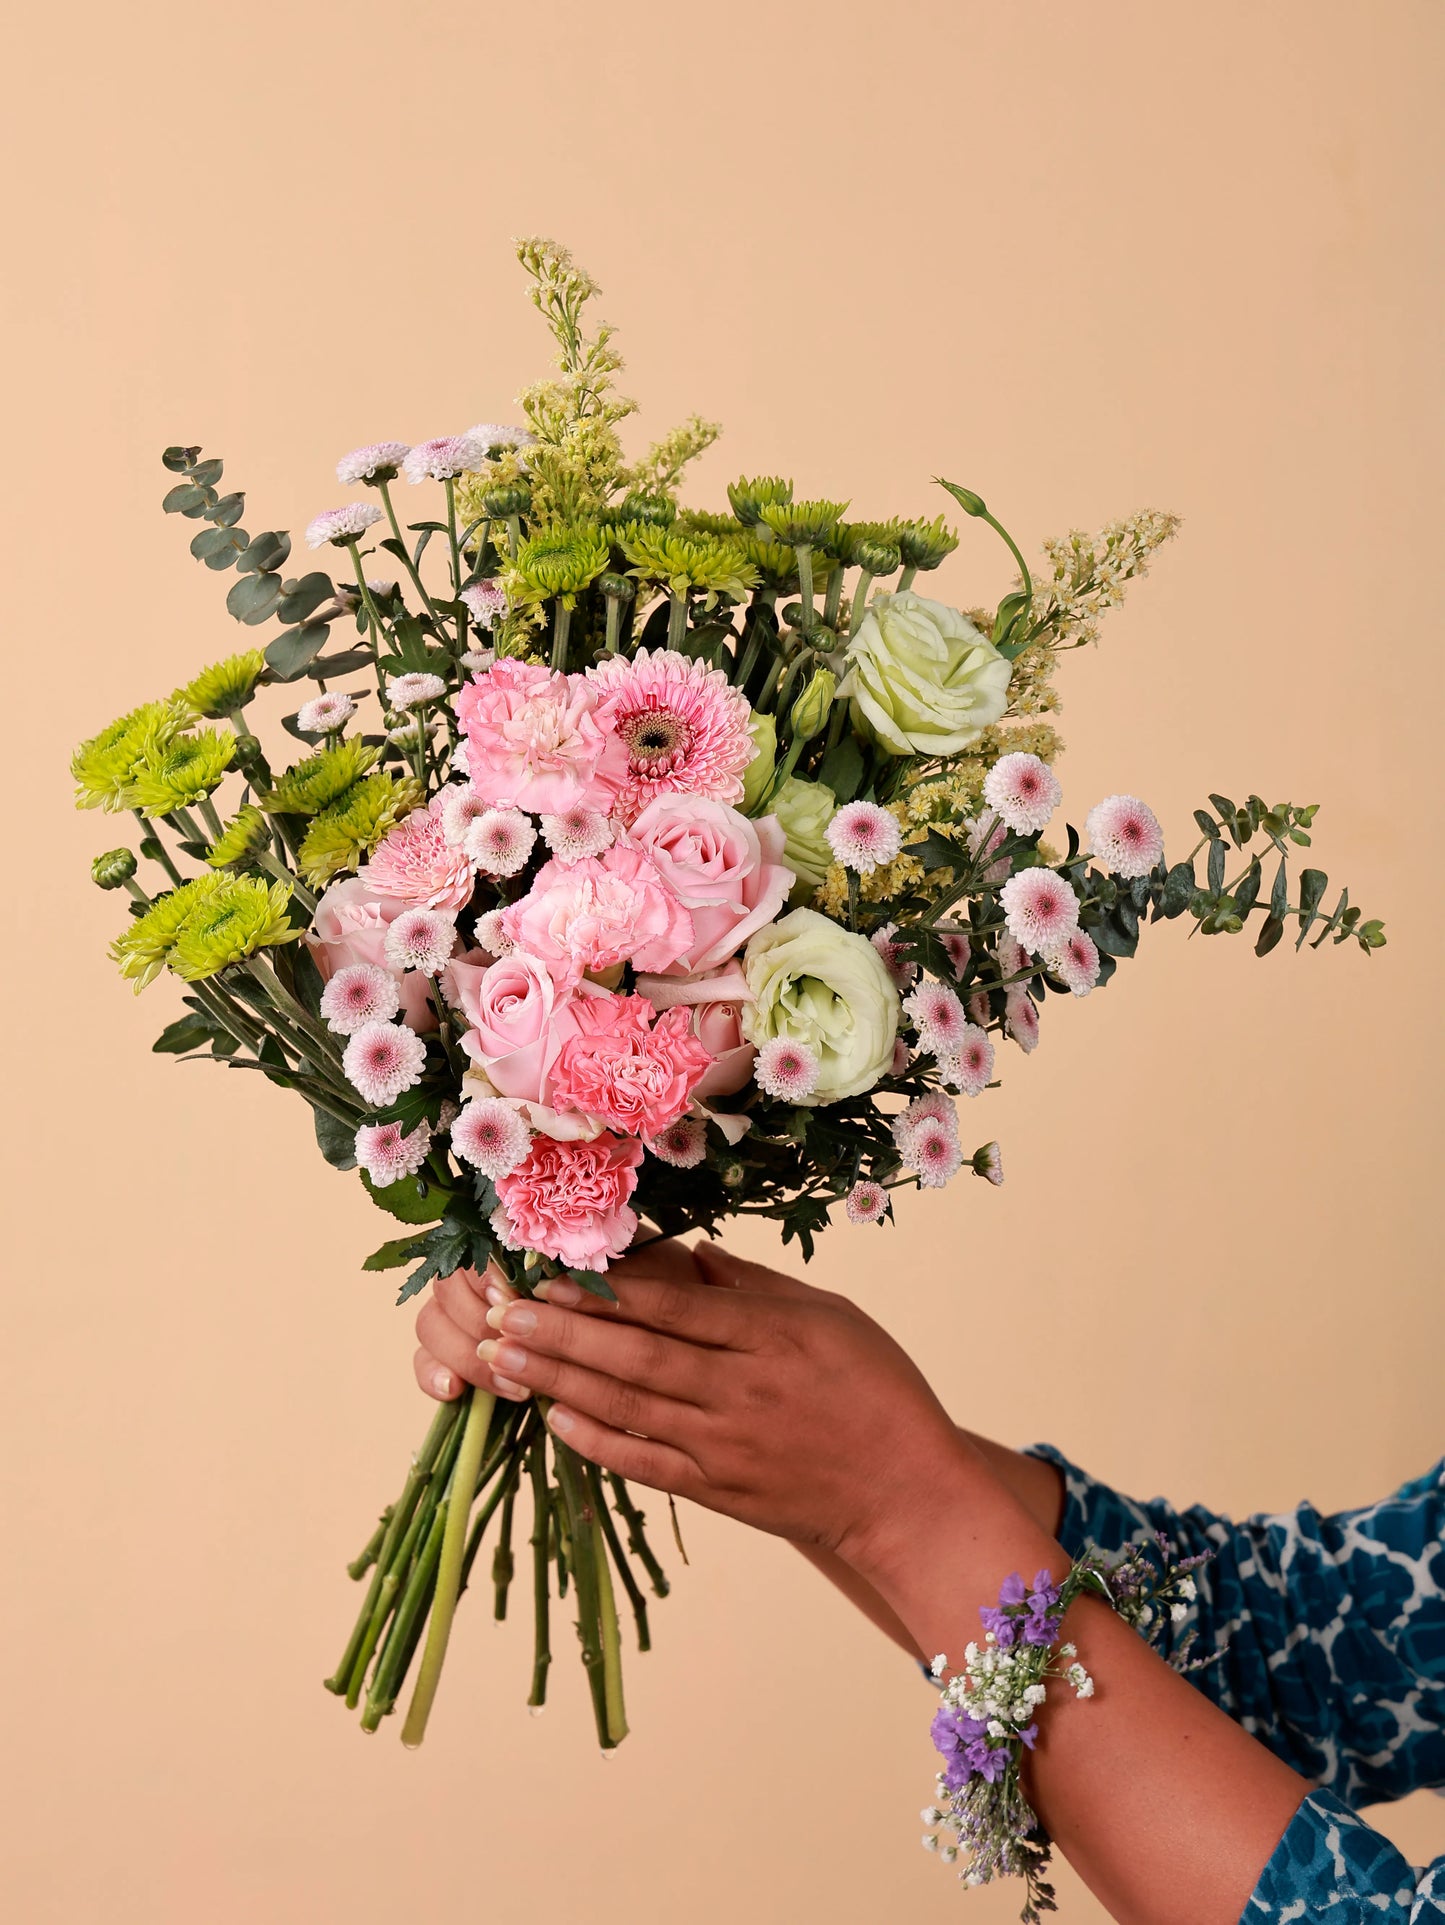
x: 677, y: 619
x: 860, y: 603
x: 905, y: 580
x: 619, y: 1558
x: 504, y: 1565
x: 833, y: 595
x: 636, y: 1537
x: 804, y: 552
x: 407, y: 562
x: 360, y: 1565
x: 559, y: 636
x: 281, y: 873
x: 464, y: 1480
x: 456, y: 547
x: 151, y: 832
x: 611, y: 1638
x: 541, y: 1588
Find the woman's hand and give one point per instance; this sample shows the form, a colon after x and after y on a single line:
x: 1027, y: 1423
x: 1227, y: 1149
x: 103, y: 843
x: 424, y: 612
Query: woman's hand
x: 772, y: 1402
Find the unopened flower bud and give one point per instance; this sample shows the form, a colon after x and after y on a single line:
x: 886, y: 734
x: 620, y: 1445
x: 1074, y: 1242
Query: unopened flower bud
x: 814, y: 705
x: 506, y: 498
x: 113, y: 870
x: 618, y: 586
x: 655, y: 510
x: 759, y: 772
x: 733, y: 1175
x: 878, y: 557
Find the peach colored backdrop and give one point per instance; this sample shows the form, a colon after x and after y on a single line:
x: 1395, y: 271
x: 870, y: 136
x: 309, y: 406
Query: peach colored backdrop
x: 1084, y: 259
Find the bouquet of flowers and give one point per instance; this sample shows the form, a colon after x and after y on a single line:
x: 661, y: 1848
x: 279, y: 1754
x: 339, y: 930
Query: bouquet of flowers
x: 636, y: 867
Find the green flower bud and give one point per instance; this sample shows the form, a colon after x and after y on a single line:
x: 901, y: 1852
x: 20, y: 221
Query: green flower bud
x: 656, y: 511
x: 924, y: 544
x: 759, y: 772
x: 749, y: 498
x: 877, y: 557
x: 618, y: 586
x: 813, y: 707
x: 804, y: 810
x: 506, y: 498
x: 734, y: 1175
x: 113, y: 870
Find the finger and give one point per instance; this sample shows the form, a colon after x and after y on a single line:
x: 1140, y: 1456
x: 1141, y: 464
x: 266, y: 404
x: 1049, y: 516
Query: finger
x: 461, y: 1297
x: 719, y: 1267
x: 434, y: 1378
x: 679, y: 1306
x: 628, y: 1351
x: 454, y: 1351
x: 608, y: 1400
x: 641, y: 1460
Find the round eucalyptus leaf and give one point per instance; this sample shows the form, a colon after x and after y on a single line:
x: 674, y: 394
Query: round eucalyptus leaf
x: 254, y: 598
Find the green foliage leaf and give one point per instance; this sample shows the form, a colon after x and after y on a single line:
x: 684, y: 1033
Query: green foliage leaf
x: 842, y: 769
x: 346, y: 663
x: 391, y: 1256
x: 335, y: 1140
x: 207, y: 473
x: 1312, y: 886
x: 253, y: 598
x: 227, y: 511
x: 411, y: 1200
x: 290, y: 655
x: 267, y: 551
x: 1247, y: 894
x: 179, y: 459
x: 188, y: 1032
x: 1179, y: 886
x: 1207, y: 825
x: 184, y: 499
x: 1279, y: 894
x: 447, y: 1248
x: 1268, y: 936
x: 594, y: 1283
x: 301, y: 598
x: 1216, y: 866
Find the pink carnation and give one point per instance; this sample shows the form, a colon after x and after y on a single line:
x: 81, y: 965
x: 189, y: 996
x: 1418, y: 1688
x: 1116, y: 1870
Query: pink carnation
x: 628, y: 1066
x: 539, y: 740
x: 570, y: 1200
x: 588, y: 916
x: 1041, y: 909
x: 1124, y: 834
x: 727, y: 872
x: 416, y: 864
x: 682, y: 726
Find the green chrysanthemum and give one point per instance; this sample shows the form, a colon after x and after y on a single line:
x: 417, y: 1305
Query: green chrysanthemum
x: 924, y: 544
x: 810, y: 522
x: 322, y: 779
x: 224, y: 687
x: 145, y: 948
x: 750, y: 497
x: 237, y: 920
x: 697, y: 521
x: 681, y: 562
x: 775, y: 561
x: 870, y: 545
x: 341, y: 838
x: 182, y: 773
x: 104, y: 766
x: 562, y: 561
x: 244, y: 837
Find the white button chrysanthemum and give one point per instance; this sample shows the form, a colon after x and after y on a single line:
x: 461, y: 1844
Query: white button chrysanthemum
x: 443, y: 457
x: 970, y: 1065
x: 683, y: 1143
x: 1124, y: 834
x: 1021, y: 1018
x: 1076, y: 963
x: 342, y: 525
x: 421, y: 939
x: 988, y: 1163
x: 415, y: 689
x: 382, y: 1060
x: 491, y: 1135
x: 577, y: 833
x: 492, y: 435
x: 903, y: 971
x: 866, y: 1203
x: 500, y: 841
x: 1023, y: 791
x: 358, y: 994
x: 864, y: 836
x: 1040, y: 908
x: 323, y: 713
x: 462, y: 807
x: 786, y: 1070
x: 387, y: 1155
x: 484, y: 601
x: 377, y: 458
x: 490, y: 935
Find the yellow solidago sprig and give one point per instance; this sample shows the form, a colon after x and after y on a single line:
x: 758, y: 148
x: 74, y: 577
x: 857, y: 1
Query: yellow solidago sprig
x: 185, y: 771
x: 105, y: 765
x: 322, y: 779
x: 660, y: 469
x: 344, y: 835
x: 246, y: 836
x: 145, y: 948
x: 1087, y: 575
x: 225, y: 687
x: 232, y: 923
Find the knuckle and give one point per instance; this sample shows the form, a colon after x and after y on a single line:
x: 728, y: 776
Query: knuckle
x: 625, y: 1405
x: 649, y: 1355
x: 671, y: 1306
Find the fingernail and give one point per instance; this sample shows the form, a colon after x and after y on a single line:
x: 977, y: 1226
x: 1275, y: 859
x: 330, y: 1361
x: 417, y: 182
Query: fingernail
x: 560, y: 1420
x: 559, y: 1290
x: 506, y: 1388
x: 510, y: 1356
x: 442, y: 1383
x: 498, y: 1293
x: 517, y: 1320
x: 487, y: 1349
x: 494, y: 1315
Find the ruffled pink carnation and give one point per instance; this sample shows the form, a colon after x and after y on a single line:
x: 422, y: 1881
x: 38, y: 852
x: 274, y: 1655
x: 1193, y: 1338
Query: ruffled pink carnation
x: 634, y: 1069
x: 716, y: 1002
x: 682, y: 725
x: 569, y: 1201
x: 539, y: 740
x: 587, y: 916
x: 417, y: 865
x: 727, y: 872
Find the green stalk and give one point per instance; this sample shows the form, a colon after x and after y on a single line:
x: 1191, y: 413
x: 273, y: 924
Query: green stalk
x: 611, y: 1639
x: 676, y: 619
x: 209, y: 817
x: 541, y: 1589
x: 905, y: 580
x: 151, y: 832
x: 614, y: 623
x: 585, y: 1580
x: 559, y: 635
x: 804, y: 552
x: 833, y: 595
x: 371, y: 1550
x: 636, y: 1536
x: 451, y: 489
x: 514, y: 538
x: 504, y: 1565
x: 409, y: 1611
x: 619, y: 1558
x: 860, y: 602
x: 281, y: 873
x: 139, y: 893
x: 407, y: 562
x: 464, y: 1480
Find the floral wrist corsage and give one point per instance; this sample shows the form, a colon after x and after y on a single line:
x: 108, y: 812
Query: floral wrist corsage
x: 988, y: 1714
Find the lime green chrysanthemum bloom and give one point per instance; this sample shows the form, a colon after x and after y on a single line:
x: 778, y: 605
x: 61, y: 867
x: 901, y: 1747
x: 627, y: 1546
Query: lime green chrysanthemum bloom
x: 344, y: 835
x: 696, y: 521
x: 871, y: 545
x: 924, y: 544
x: 104, y: 766
x: 244, y: 837
x: 321, y: 780
x: 810, y: 522
x: 750, y: 497
x: 237, y: 920
x: 681, y: 562
x: 182, y: 773
x: 775, y: 561
x: 562, y: 561
x: 145, y: 948
x: 224, y: 687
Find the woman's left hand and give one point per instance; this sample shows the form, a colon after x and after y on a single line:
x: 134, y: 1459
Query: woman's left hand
x: 770, y: 1401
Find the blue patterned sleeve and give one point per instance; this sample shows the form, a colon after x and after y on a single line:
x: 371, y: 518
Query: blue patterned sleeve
x: 1332, y: 1865
x: 1330, y: 1630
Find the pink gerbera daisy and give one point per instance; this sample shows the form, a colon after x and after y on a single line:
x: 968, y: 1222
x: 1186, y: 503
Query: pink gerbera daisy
x: 1023, y: 791
x: 416, y: 863
x: 683, y: 725
x: 387, y: 1155
x: 787, y: 1070
x: 864, y: 837
x: 490, y: 1134
x: 1021, y: 1019
x: 971, y: 1064
x: 866, y: 1203
x: 1076, y: 963
x: 1124, y: 834
x: 1041, y: 909
x: 683, y: 1143
x: 357, y: 994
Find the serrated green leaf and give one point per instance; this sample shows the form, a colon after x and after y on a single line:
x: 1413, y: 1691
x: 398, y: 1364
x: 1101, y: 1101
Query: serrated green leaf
x: 391, y: 1256
x: 411, y: 1200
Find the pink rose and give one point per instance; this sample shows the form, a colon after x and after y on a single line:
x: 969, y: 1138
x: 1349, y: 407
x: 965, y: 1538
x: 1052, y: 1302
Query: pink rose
x: 717, y: 1003
x: 727, y: 872
x: 626, y: 1064
x: 519, y: 1016
x: 416, y: 863
x: 350, y: 926
x: 588, y: 916
x: 538, y: 740
x: 569, y: 1200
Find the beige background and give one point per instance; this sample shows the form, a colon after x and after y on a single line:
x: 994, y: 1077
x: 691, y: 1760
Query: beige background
x: 1084, y: 258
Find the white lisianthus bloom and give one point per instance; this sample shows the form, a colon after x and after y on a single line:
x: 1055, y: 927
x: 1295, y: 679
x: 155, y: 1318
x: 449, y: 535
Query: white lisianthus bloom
x: 804, y: 810
x: 921, y: 678
x: 827, y: 988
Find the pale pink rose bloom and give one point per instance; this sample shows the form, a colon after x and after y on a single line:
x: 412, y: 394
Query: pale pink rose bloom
x: 570, y: 1200
x: 518, y: 1018
x: 627, y: 1064
x: 588, y: 916
x: 416, y: 863
x: 539, y: 740
x: 717, y: 1003
x: 350, y: 926
x: 728, y: 872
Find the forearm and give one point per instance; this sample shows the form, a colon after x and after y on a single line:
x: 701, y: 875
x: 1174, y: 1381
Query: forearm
x: 1164, y: 1806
